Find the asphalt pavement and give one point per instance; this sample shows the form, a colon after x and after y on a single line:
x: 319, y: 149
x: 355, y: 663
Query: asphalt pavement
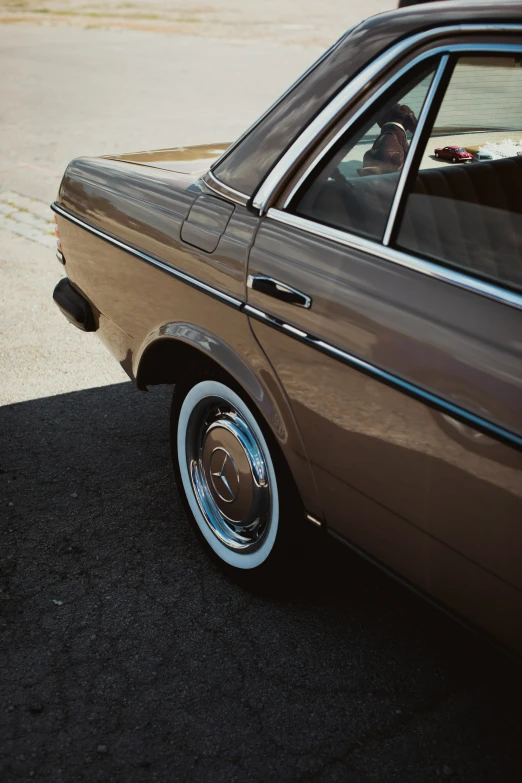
x: 124, y: 654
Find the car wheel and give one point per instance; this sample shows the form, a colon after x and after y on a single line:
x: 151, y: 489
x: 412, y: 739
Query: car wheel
x: 237, y: 491
x: 436, y: 154
x: 454, y: 160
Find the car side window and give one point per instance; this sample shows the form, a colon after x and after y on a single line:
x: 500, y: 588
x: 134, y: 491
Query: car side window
x: 353, y: 187
x: 464, y: 207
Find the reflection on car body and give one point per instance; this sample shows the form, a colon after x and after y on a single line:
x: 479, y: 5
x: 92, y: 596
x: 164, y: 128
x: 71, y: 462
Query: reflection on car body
x: 339, y: 311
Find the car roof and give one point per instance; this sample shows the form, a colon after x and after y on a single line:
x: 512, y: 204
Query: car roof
x: 248, y: 161
x: 422, y: 16
x: 382, y: 30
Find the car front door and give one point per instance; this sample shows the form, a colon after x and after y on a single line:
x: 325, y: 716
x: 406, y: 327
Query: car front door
x: 398, y: 342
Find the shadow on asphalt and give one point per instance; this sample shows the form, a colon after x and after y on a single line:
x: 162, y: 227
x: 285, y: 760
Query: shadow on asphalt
x: 127, y: 656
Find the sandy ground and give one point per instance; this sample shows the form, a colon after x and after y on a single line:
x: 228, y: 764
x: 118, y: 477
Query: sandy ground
x: 304, y: 22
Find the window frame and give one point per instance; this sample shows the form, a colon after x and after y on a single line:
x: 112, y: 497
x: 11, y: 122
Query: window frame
x: 385, y: 249
x: 350, y: 131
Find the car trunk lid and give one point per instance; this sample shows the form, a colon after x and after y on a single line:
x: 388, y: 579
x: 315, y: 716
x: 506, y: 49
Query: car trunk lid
x: 186, y: 160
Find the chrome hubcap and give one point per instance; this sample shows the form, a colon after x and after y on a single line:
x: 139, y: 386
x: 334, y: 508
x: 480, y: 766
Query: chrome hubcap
x: 228, y: 473
x: 225, y: 476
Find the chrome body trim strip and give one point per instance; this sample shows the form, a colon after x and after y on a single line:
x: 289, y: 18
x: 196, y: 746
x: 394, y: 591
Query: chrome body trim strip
x: 425, y: 267
x: 192, y: 281
x: 355, y: 88
x: 223, y: 190
x: 449, y: 408
x: 403, y: 178
x: 259, y: 314
x: 314, y: 521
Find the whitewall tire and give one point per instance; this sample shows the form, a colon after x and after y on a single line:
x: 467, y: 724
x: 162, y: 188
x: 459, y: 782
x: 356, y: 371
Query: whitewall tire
x: 227, y: 474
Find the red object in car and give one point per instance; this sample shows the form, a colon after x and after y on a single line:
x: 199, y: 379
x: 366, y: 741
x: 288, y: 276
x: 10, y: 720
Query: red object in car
x: 453, y: 153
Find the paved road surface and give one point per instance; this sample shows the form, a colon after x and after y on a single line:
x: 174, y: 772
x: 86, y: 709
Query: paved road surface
x: 77, y: 92
x: 125, y: 656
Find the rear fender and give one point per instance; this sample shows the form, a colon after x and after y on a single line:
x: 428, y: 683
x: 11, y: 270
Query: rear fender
x: 251, y: 370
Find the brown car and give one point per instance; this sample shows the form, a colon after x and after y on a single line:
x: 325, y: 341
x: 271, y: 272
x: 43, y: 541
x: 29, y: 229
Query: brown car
x: 340, y: 313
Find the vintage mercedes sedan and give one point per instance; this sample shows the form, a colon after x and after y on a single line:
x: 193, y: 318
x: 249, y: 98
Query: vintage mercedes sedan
x: 340, y: 311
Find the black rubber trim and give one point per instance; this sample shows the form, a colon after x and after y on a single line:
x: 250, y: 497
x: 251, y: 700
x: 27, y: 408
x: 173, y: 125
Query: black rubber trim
x: 74, y: 306
x: 416, y: 392
x: 186, y: 278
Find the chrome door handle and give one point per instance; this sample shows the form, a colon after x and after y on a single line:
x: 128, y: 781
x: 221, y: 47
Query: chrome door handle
x: 271, y: 287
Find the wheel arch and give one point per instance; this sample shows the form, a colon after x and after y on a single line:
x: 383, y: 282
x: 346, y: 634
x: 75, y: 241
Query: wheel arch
x: 168, y: 354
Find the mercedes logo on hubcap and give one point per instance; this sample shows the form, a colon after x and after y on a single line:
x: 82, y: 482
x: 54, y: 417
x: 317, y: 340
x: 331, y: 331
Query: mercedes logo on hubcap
x: 224, y: 475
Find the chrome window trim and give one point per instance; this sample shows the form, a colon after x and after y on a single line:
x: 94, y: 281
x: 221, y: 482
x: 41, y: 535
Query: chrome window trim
x: 356, y: 117
x: 192, y: 281
x: 223, y: 190
x: 445, y: 51
x: 278, y: 100
x: 410, y: 157
x: 433, y: 400
x: 355, y: 88
x: 415, y: 263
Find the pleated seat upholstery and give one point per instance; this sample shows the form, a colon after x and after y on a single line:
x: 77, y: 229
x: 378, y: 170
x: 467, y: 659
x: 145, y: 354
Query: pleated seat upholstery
x: 465, y: 215
x: 469, y: 216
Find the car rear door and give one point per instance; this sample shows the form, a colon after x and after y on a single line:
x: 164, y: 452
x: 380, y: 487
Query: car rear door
x: 404, y: 369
